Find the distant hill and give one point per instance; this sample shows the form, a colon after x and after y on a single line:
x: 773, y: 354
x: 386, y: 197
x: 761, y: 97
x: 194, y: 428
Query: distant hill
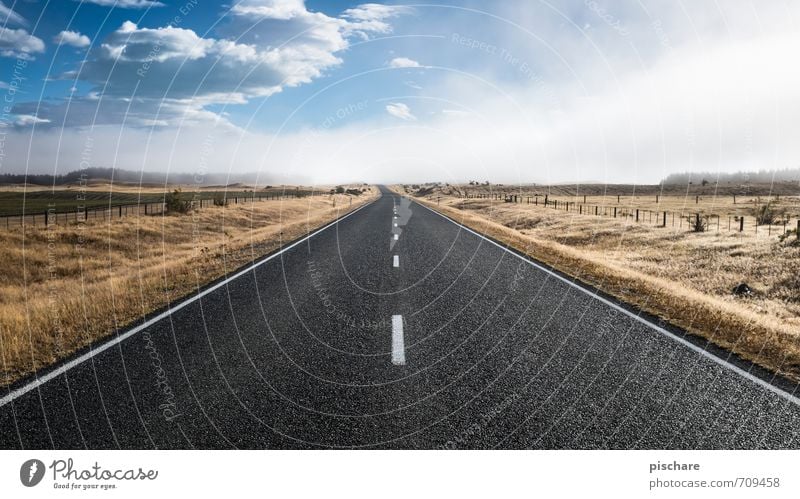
x: 134, y: 177
x: 759, y: 177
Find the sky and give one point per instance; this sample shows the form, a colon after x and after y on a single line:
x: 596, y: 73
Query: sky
x: 514, y: 91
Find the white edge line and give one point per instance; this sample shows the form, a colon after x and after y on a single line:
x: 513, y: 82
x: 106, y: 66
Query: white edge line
x: 398, y: 343
x: 736, y: 369
x: 39, y: 381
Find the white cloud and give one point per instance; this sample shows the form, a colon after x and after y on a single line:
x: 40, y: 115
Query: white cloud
x: 27, y: 120
x: 400, y: 110
x: 270, y: 9
x: 372, y: 18
x: 125, y: 4
x: 72, y: 38
x: 19, y: 43
x: 175, y: 74
x: 8, y: 16
x: 403, y: 62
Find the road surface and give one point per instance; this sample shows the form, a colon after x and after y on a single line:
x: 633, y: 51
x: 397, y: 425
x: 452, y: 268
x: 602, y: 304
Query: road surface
x: 397, y: 328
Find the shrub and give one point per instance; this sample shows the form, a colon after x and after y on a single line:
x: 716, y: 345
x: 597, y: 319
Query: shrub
x: 175, y: 204
x: 220, y: 200
x: 339, y: 189
x: 768, y: 214
x: 790, y: 237
x: 697, y: 222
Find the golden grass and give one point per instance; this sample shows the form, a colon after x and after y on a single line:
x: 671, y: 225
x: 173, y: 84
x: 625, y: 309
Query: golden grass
x: 65, y: 287
x: 684, y: 277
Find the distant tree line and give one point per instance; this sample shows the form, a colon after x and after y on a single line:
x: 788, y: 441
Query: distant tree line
x: 761, y: 176
x: 130, y: 176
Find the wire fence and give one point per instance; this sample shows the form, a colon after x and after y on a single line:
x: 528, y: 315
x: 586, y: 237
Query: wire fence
x: 84, y: 214
x: 693, y: 220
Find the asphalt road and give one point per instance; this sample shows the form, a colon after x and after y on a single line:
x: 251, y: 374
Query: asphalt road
x: 305, y: 351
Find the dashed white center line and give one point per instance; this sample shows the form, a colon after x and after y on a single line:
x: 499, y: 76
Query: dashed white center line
x: 396, y: 237
x: 396, y: 262
x: 395, y: 224
x: 398, y: 343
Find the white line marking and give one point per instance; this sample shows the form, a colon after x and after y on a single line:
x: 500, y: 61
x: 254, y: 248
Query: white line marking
x: 105, y: 346
x: 398, y: 344
x: 396, y: 237
x: 396, y: 262
x: 736, y: 369
x: 395, y: 224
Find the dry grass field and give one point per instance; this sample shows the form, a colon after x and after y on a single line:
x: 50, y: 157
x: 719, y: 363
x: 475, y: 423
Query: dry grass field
x: 685, y: 277
x: 65, y: 286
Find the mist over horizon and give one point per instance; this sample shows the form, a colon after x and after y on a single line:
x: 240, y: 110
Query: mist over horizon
x: 260, y: 179
x: 325, y: 93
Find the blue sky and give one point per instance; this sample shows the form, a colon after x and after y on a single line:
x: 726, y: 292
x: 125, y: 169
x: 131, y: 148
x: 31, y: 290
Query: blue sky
x: 330, y: 91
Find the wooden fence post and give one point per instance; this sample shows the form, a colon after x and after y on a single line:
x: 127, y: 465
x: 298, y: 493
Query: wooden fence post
x: 741, y: 223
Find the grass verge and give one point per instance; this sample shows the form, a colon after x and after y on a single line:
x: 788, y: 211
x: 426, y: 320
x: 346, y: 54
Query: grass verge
x: 683, y: 277
x: 66, y: 286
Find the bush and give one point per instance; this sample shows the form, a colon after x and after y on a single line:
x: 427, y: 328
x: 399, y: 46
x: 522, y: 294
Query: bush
x: 697, y: 222
x: 339, y: 189
x: 175, y: 204
x: 220, y: 200
x: 790, y: 237
x: 768, y: 214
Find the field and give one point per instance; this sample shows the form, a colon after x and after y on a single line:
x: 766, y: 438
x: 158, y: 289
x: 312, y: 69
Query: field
x: 16, y: 200
x: 685, y: 277
x: 66, y: 286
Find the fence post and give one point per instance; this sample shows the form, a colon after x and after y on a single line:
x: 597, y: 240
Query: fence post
x: 615, y: 212
x: 637, y: 214
x: 797, y: 234
x: 741, y: 223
